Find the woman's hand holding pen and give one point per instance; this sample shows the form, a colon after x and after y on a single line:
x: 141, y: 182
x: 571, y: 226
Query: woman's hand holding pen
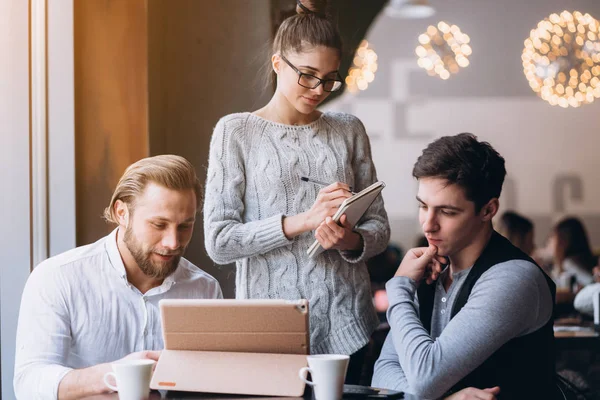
x: 333, y: 236
x: 327, y: 202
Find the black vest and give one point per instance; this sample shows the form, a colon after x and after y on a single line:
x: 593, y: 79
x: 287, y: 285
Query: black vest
x: 524, y: 366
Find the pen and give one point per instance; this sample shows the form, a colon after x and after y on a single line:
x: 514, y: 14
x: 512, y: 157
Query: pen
x: 316, y: 182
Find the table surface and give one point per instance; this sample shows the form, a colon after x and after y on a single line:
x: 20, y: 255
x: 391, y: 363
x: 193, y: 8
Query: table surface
x: 576, y: 334
x: 584, y: 333
x: 577, y: 338
x: 211, y: 396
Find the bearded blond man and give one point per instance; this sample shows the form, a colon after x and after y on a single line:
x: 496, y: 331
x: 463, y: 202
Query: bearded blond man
x: 98, y: 303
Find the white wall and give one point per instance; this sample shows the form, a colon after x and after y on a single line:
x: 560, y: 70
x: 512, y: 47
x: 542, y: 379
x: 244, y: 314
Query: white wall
x: 14, y: 175
x: 544, y: 146
x: 61, y: 127
x: 15, y: 200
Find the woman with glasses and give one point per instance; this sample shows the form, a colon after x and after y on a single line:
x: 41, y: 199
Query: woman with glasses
x: 259, y: 213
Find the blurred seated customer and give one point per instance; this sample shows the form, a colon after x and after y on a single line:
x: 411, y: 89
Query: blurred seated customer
x: 382, y: 268
x: 517, y: 229
x: 584, y: 301
x: 87, y: 307
x: 572, y: 256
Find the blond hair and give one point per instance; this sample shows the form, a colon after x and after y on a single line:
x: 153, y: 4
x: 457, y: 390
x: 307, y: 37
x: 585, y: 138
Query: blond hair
x: 168, y: 170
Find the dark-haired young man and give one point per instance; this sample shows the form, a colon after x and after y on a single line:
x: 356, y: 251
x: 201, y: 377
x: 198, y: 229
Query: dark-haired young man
x: 486, y: 319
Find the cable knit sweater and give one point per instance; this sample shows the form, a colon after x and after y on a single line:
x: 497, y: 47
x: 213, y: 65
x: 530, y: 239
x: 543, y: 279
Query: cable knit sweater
x: 253, y: 182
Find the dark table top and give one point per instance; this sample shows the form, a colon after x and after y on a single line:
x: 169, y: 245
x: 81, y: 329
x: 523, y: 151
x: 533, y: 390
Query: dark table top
x: 158, y: 395
x: 579, y: 338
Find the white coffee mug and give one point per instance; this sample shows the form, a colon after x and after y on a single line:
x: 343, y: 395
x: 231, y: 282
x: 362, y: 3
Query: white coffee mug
x: 328, y: 372
x: 132, y: 377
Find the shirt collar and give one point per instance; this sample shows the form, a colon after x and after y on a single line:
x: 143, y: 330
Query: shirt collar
x: 114, y: 255
x: 117, y: 262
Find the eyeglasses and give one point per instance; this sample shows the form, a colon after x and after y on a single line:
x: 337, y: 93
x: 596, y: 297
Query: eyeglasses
x: 312, y: 82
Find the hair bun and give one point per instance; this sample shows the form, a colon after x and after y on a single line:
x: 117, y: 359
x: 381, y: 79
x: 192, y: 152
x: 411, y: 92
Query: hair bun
x: 317, y: 7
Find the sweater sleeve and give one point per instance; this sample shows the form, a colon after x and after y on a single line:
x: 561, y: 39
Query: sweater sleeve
x: 373, y: 226
x: 227, y: 237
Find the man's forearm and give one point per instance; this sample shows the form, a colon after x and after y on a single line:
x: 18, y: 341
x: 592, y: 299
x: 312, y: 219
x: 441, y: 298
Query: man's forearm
x: 415, y: 348
x: 387, y: 371
x: 84, y: 382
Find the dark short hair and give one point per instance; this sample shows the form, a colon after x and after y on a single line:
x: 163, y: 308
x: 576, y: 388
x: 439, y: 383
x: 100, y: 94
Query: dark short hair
x: 463, y: 160
x: 515, y: 227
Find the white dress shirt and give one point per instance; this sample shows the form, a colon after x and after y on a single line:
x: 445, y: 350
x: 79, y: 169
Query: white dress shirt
x: 79, y: 310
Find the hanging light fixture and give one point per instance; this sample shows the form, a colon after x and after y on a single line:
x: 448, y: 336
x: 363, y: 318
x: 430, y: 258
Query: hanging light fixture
x: 561, y: 59
x: 362, y: 71
x: 410, y: 9
x: 443, y: 50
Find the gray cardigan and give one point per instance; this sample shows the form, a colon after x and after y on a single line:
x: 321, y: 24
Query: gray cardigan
x: 253, y: 181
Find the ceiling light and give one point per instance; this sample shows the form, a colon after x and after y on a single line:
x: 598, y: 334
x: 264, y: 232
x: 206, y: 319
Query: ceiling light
x: 443, y: 50
x: 411, y: 9
x: 561, y: 59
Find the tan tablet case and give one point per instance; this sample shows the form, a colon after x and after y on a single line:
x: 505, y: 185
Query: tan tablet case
x: 252, y: 347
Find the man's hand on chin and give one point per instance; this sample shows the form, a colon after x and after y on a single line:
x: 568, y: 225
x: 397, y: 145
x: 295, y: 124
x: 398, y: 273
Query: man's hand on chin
x: 421, y: 263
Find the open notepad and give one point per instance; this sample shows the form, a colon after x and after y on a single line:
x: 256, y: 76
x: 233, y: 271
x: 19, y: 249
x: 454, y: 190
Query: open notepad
x: 354, y: 207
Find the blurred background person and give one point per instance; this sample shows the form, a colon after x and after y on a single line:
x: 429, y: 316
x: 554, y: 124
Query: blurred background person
x: 518, y: 229
x: 572, y: 256
x: 584, y: 301
x: 382, y: 268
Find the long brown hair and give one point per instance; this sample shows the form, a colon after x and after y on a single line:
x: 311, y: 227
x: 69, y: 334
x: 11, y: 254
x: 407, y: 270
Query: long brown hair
x: 574, y: 242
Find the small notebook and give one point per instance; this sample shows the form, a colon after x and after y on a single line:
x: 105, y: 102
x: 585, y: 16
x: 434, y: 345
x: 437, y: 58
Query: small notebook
x: 354, y: 207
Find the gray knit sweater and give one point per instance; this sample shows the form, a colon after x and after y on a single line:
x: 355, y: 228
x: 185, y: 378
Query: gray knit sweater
x: 253, y: 181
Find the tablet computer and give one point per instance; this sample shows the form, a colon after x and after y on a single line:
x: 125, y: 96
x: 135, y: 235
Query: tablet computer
x: 252, y: 347
x: 251, y: 326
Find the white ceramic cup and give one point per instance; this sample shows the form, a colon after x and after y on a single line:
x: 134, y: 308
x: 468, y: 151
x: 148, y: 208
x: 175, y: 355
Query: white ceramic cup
x: 133, y: 378
x: 328, y: 372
